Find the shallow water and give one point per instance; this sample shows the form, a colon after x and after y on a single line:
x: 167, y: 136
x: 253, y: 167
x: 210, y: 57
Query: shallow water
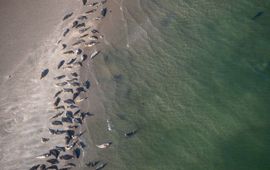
x: 193, y: 78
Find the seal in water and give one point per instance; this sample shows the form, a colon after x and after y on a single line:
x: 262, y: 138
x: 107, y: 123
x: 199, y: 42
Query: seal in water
x: 129, y: 134
x: 104, y: 145
x: 61, y: 63
x: 66, y: 31
x: 44, y: 73
x: 67, y: 16
x: 257, y: 15
x: 101, y: 166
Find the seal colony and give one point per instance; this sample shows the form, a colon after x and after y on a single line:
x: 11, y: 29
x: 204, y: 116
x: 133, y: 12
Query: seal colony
x: 68, y: 119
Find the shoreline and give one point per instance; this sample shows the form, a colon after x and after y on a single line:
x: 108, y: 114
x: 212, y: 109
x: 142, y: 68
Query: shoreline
x: 53, y: 55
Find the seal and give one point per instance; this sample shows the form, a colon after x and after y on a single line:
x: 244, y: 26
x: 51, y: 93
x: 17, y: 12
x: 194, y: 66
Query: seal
x: 67, y: 16
x: 104, y: 145
x: 66, y: 157
x: 57, y: 115
x: 101, y: 166
x: 83, y: 17
x: 52, y: 167
x: 85, y: 35
x: 44, y: 140
x: 103, y: 12
x: 58, y: 93
x: 84, y: 57
x: 71, y: 61
x: 92, y: 163
x: 78, y: 42
x: 53, y: 161
x: 68, y: 90
x: 57, y: 101
x: 78, y: 51
x: 35, y: 167
x: 61, y: 63
x: 74, y: 74
x: 69, y: 101
x: 86, y: 84
x: 94, y: 54
x: 80, y: 25
x: 75, y: 23
x: 129, y: 134
x: 57, y: 122
x: 59, y: 77
x: 65, y: 32
x: 84, y: 2
x: 54, y: 152
x: 44, y: 73
x: 77, y: 152
x: 69, y: 52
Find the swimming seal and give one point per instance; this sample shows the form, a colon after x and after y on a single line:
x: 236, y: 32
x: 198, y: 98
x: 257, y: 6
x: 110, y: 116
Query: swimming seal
x: 44, y: 73
x: 257, y: 15
x: 101, y: 166
x: 129, y: 134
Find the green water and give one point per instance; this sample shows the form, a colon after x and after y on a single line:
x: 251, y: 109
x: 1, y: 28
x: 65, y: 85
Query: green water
x: 195, y: 81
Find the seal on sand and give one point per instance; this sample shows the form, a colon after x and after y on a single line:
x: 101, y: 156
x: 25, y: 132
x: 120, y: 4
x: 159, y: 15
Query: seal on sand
x: 44, y: 73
